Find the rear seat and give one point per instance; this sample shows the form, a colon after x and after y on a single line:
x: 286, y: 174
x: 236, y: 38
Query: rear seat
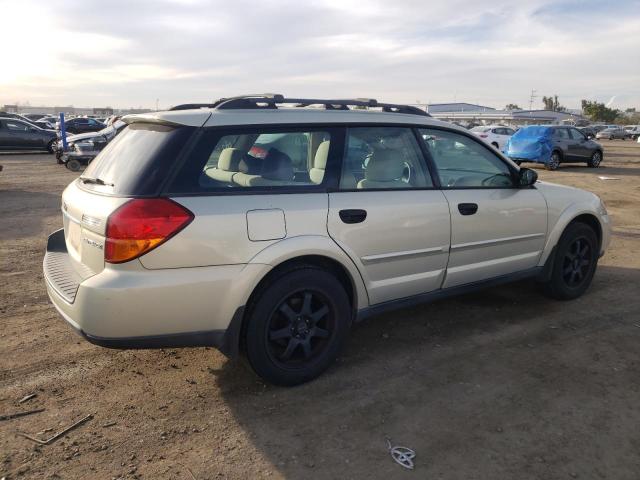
x: 228, y: 165
x: 277, y: 170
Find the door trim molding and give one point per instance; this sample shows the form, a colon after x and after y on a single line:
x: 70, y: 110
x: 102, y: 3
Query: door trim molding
x: 368, y: 259
x: 496, y: 241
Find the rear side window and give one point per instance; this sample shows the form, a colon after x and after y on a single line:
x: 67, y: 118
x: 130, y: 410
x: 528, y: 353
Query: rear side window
x: 138, y: 160
x: 383, y: 158
x: 256, y: 158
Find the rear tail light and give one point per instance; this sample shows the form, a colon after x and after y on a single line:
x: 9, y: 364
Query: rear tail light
x: 483, y: 135
x: 141, y: 225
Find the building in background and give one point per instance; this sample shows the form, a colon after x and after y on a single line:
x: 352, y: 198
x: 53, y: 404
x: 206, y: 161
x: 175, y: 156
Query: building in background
x: 469, y: 113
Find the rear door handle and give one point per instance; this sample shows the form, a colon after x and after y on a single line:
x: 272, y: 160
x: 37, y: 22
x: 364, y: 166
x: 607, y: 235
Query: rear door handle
x: 467, y: 208
x: 353, y: 216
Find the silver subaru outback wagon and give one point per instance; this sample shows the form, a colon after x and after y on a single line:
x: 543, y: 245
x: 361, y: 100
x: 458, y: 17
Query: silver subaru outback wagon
x: 267, y: 225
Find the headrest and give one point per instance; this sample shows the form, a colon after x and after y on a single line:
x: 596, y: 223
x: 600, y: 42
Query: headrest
x: 384, y: 166
x: 229, y: 160
x: 322, y: 153
x: 250, y: 165
x: 277, y: 166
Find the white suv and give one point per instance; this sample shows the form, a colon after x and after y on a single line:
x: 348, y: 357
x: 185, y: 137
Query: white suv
x: 253, y: 225
x: 496, y: 135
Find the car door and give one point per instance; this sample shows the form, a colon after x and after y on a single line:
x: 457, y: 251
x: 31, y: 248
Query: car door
x: 21, y: 134
x: 388, y: 216
x: 580, y: 146
x: 496, y: 228
x: 563, y: 141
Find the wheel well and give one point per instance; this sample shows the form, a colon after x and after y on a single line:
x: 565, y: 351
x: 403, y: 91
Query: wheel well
x: 592, y: 222
x: 317, y: 261
x: 559, y: 152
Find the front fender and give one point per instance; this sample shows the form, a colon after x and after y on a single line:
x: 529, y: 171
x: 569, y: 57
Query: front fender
x: 558, y: 225
x: 295, y: 247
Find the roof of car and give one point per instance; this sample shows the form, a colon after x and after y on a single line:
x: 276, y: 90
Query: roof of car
x: 213, y: 117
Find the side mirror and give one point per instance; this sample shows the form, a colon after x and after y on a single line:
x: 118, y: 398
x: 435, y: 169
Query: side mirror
x: 527, y: 177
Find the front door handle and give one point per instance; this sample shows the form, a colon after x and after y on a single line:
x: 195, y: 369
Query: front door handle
x: 353, y: 216
x: 467, y: 208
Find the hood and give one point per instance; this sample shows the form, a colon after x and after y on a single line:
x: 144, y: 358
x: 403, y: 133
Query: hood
x: 83, y: 136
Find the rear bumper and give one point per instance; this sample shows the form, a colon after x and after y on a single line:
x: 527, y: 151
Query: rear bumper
x: 128, y: 306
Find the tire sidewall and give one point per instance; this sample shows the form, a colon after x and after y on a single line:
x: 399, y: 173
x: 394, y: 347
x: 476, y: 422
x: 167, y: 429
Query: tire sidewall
x: 551, y: 165
x: 258, y: 318
x: 557, y: 286
x: 592, y: 161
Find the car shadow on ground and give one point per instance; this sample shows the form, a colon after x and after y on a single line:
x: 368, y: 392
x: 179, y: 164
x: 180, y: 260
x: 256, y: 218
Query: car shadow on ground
x: 473, y: 384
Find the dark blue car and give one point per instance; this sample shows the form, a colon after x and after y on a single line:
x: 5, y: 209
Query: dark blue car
x: 552, y: 145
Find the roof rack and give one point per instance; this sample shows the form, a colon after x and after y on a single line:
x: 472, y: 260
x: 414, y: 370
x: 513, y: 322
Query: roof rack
x: 271, y: 100
x: 192, y: 106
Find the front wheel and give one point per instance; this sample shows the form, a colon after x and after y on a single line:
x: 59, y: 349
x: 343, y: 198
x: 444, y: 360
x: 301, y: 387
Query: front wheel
x: 50, y: 146
x: 297, y: 326
x: 574, y: 264
x: 554, y: 161
x: 74, y: 165
x: 596, y: 158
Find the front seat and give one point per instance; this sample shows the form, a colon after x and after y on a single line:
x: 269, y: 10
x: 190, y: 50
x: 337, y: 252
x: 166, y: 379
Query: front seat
x: 228, y: 165
x: 316, y: 174
x: 384, y: 170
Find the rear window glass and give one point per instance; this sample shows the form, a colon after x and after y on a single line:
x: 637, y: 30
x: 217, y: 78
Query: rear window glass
x: 255, y: 158
x: 138, y: 159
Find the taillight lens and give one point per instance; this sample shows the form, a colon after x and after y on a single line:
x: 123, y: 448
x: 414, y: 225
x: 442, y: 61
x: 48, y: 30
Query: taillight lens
x: 258, y: 152
x: 484, y: 136
x: 141, y: 225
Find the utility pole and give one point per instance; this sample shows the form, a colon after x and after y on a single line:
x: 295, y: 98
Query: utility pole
x: 533, y: 96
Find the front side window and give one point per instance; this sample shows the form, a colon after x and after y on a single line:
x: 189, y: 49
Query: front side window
x: 577, y: 134
x: 561, y: 134
x: 463, y: 162
x: 17, y: 126
x: 255, y: 159
x: 383, y: 158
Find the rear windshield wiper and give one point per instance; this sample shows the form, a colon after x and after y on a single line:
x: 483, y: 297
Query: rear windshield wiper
x: 96, y: 181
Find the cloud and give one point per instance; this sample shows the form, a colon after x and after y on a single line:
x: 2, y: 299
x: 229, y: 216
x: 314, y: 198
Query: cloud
x: 130, y: 53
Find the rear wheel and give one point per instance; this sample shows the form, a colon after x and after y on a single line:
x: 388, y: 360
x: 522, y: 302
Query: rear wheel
x: 495, y: 145
x: 575, y: 263
x: 297, y: 326
x: 50, y: 145
x: 554, y: 161
x: 73, y: 165
x: 596, y: 158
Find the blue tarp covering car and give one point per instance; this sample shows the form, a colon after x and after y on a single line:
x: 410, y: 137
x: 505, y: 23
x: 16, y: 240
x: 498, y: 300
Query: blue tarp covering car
x: 530, y: 144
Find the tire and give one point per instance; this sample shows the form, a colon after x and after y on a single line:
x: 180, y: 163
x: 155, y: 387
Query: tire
x: 73, y: 165
x: 571, y: 276
x: 495, y: 145
x: 554, y: 161
x: 50, y: 146
x: 297, y: 326
x: 595, y: 160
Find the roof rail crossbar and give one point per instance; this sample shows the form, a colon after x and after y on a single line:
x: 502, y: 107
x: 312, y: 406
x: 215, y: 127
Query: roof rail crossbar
x: 271, y: 100
x: 192, y: 106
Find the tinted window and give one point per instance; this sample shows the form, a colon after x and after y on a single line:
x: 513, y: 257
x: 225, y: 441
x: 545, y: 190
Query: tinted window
x: 17, y: 126
x: 577, y: 134
x: 383, y: 157
x: 463, y: 162
x: 256, y: 158
x: 138, y: 159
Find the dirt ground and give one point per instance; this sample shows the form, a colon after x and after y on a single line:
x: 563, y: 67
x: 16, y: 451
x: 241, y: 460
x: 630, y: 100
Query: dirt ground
x: 503, y: 384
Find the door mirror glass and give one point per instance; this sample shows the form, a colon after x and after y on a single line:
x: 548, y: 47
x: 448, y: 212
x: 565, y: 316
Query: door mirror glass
x: 527, y: 177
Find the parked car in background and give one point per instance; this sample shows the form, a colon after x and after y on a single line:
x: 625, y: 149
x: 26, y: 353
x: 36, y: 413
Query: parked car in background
x: 553, y: 145
x: 633, y: 131
x: 16, y: 134
x: 34, y: 116
x: 496, y: 135
x: 82, y: 125
x: 84, y: 147
x: 611, y: 133
x: 156, y: 252
x: 588, y: 131
x: 17, y: 116
x: 44, y: 124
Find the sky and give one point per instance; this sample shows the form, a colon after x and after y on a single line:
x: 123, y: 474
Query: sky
x: 136, y: 53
